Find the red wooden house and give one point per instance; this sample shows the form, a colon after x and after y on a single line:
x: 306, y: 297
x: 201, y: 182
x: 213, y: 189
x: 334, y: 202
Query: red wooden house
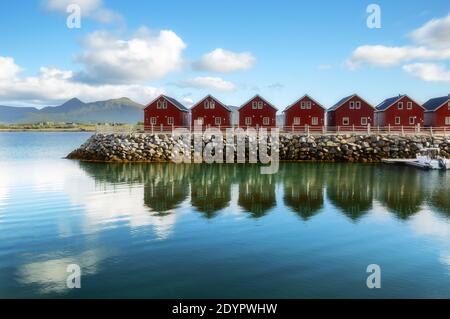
x: 304, y: 112
x: 165, y: 113
x: 258, y: 113
x: 210, y: 112
x: 437, y: 112
x: 351, y: 112
x: 399, y: 111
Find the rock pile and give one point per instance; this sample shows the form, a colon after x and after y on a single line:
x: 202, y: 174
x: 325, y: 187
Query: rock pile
x: 343, y: 148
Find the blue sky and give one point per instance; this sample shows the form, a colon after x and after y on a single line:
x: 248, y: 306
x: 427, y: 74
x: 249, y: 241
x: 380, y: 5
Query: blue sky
x: 279, y: 49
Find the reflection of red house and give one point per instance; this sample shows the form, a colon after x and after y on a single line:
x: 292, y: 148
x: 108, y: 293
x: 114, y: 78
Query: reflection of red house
x: 304, y: 111
x: 351, y: 111
x: 257, y: 113
x: 210, y: 112
x: 165, y: 113
x: 399, y: 111
x: 437, y: 111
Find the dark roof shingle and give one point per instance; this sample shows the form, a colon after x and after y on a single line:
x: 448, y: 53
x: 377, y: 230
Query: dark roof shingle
x: 433, y: 104
x: 388, y: 102
x: 176, y: 103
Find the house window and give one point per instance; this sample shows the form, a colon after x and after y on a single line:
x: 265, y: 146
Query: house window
x: 412, y: 120
x: 254, y: 105
x: 302, y: 105
x: 447, y: 120
x: 161, y: 104
x: 170, y: 120
x: 352, y: 105
x: 345, y: 121
x: 357, y: 105
x: 296, y: 121
x: 397, y: 120
x: 260, y: 105
x: 400, y: 105
x: 153, y: 120
x: 266, y: 121
x: 199, y: 121
x: 212, y: 105
x: 218, y: 120
x: 363, y: 120
x: 409, y: 105
x: 315, y: 121
x: 248, y: 121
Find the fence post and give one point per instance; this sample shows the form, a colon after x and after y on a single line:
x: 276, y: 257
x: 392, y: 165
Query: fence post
x: 403, y: 132
x: 389, y: 128
x: 431, y: 131
x: 418, y: 128
x: 323, y: 129
x: 353, y: 128
x: 368, y: 128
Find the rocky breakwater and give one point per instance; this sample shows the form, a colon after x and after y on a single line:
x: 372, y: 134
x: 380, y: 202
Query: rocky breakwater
x: 342, y: 148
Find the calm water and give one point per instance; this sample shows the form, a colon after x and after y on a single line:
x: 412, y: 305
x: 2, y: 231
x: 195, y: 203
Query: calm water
x: 178, y: 231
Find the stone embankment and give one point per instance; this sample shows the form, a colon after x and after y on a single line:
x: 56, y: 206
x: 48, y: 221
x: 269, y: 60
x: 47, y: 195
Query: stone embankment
x: 339, y: 148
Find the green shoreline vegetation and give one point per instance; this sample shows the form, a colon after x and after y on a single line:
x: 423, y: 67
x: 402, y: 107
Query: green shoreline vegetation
x: 69, y: 127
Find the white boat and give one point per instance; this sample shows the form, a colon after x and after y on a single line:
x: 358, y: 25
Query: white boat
x: 428, y: 158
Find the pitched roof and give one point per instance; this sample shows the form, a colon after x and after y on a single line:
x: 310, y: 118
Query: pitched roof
x: 341, y: 101
x: 388, y: 102
x: 177, y: 104
x: 258, y: 96
x: 391, y: 101
x: 212, y: 97
x: 304, y: 96
x: 435, y: 103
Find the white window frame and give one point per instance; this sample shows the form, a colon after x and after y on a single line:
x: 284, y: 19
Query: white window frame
x: 308, y: 105
x: 345, y: 121
x: 248, y: 120
x: 358, y: 105
x: 266, y: 120
x: 161, y: 104
x: 399, y: 120
x: 170, y: 120
x: 351, y: 105
x: 409, y: 105
x: 218, y: 120
x: 400, y: 105
x: 153, y: 120
x: 413, y: 122
x: 447, y: 120
x: 254, y: 105
x: 206, y: 105
x: 315, y: 120
x: 364, y: 121
x: 260, y: 105
x: 302, y: 105
x: 297, y: 120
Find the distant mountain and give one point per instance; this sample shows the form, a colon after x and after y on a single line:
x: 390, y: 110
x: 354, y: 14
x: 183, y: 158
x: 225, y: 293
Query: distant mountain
x: 121, y: 110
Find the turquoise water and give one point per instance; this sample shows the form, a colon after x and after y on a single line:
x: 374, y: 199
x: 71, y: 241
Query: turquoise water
x: 186, y: 231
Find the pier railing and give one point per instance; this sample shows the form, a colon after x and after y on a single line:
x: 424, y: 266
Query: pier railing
x: 293, y: 129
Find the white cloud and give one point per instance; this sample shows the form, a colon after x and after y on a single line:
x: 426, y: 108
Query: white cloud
x: 429, y: 72
x: 145, y: 57
x: 385, y: 56
x: 434, y: 33
x: 9, y: 69
x: 89, y: 8
x: 223, y: 61
x: 52, y: 84
x: 213, y: 83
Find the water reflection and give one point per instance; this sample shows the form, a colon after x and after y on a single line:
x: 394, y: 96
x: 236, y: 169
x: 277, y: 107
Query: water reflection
x: 303, y: 189
x: 350, y: 188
